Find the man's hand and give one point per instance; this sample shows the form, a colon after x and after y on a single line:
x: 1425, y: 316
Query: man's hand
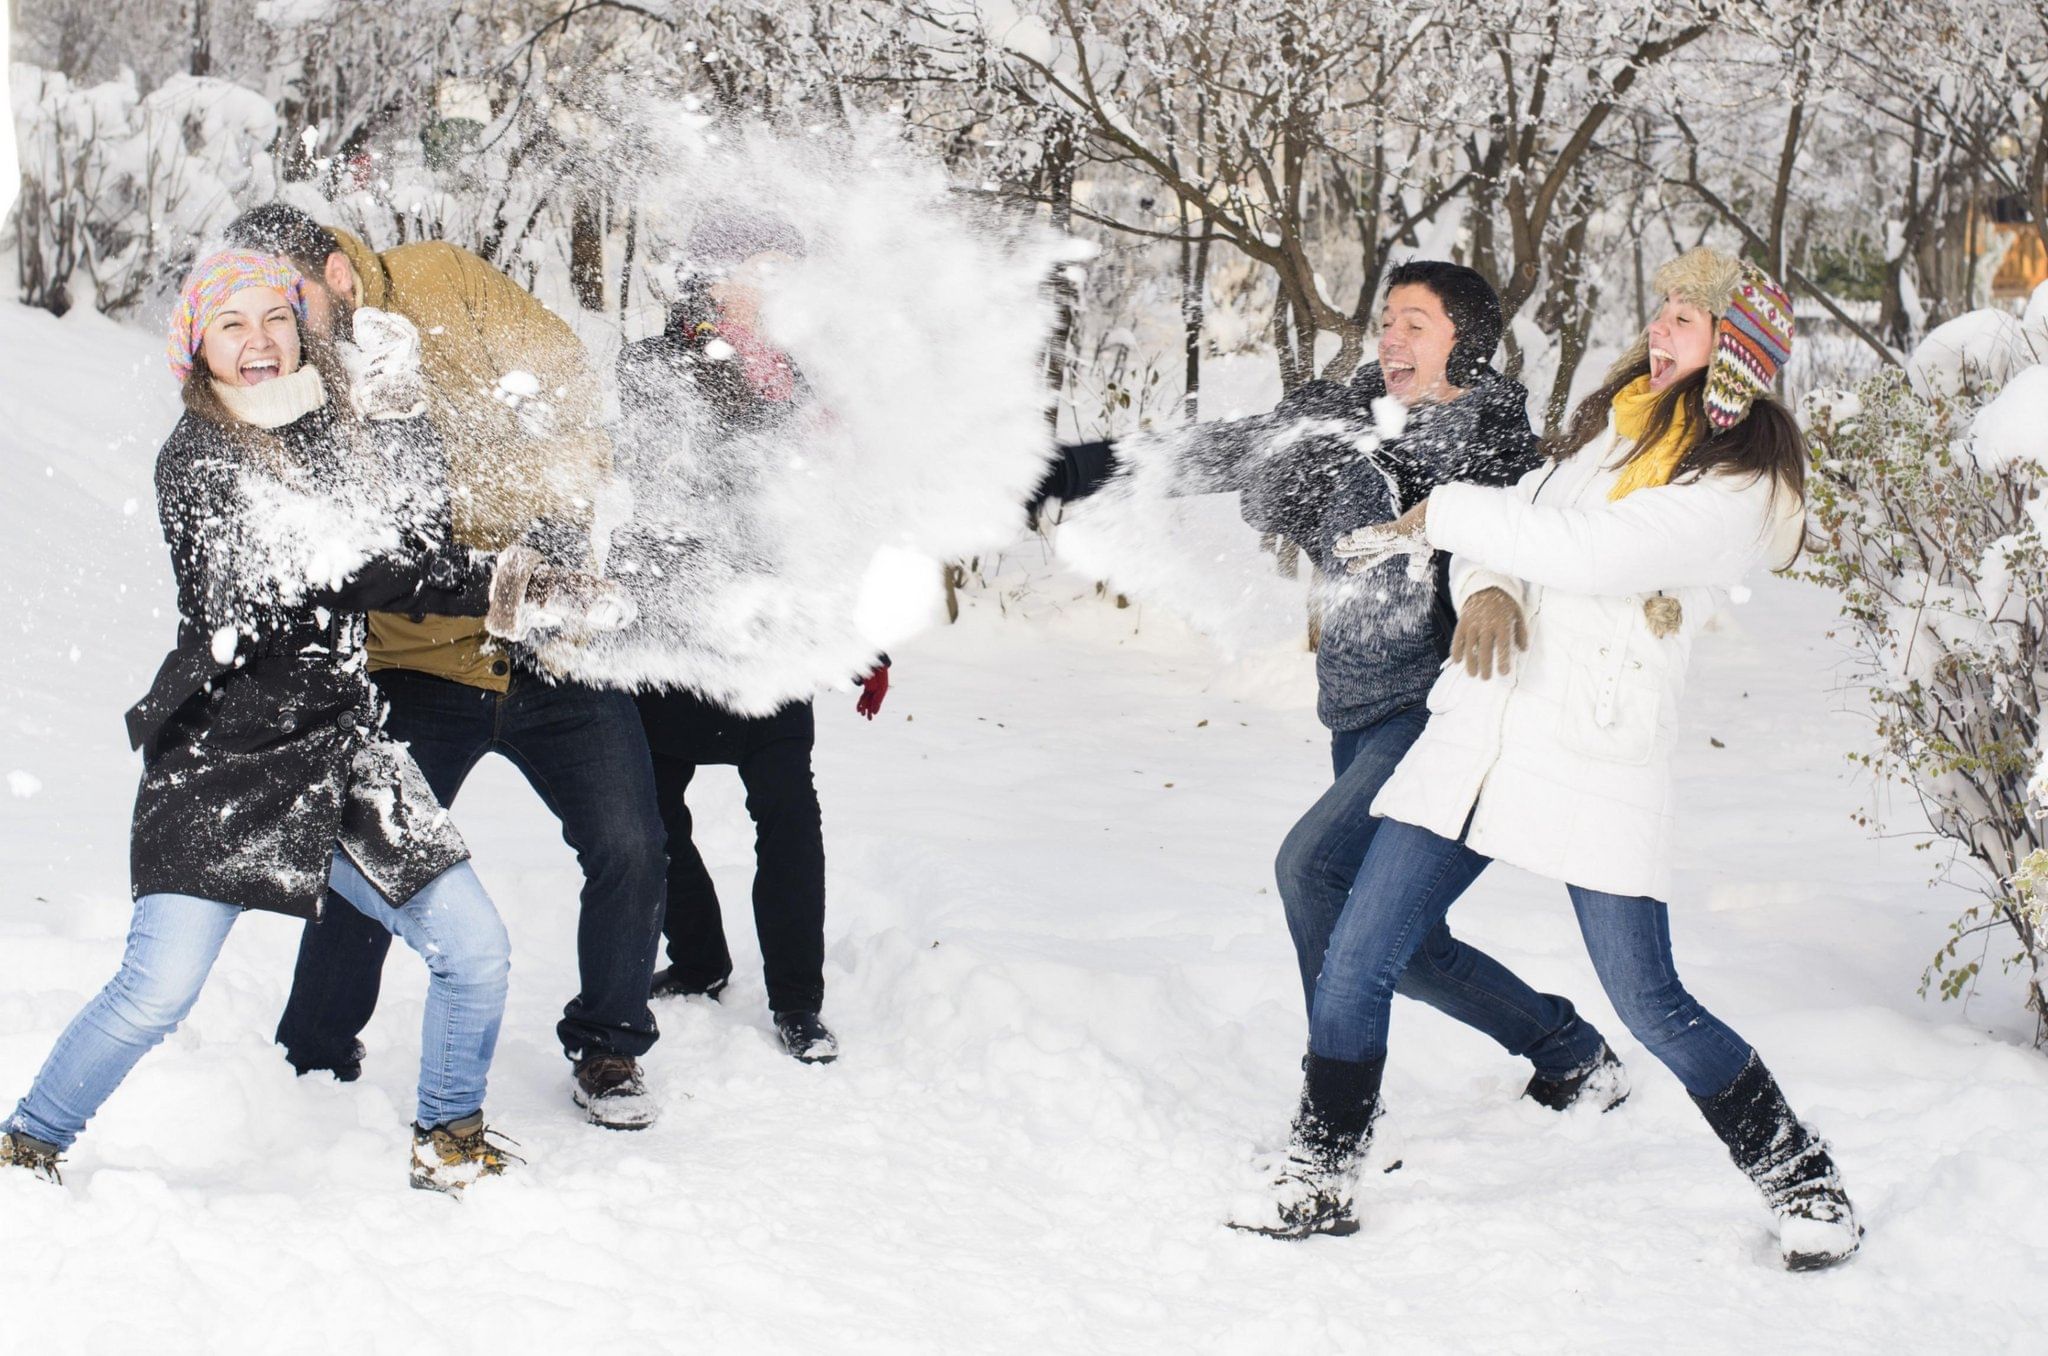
x: 530, y: 595
x: 1490, y: 630
x: 1369, y: 547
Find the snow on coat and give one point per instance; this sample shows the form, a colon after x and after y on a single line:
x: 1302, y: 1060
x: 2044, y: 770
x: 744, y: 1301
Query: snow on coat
x: 1383, y: 633
x: 261, y: 735
x: 1563, y: 765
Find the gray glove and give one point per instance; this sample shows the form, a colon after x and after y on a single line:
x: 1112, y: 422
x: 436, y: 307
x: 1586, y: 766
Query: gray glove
x: 530, y: 595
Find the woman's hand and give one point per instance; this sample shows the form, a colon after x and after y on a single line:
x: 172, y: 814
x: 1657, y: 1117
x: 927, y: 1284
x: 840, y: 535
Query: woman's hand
x: 1490, y: 630
x: 1369, y: 547
x: 384, y: 366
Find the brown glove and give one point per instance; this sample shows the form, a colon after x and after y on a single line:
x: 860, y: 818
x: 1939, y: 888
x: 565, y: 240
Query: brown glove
x: 1490, y: 630
x: 528, y: 594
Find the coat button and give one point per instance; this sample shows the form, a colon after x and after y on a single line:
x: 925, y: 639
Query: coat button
x: 346, y: 721
x: 500, y: 667
x: 288, y: 724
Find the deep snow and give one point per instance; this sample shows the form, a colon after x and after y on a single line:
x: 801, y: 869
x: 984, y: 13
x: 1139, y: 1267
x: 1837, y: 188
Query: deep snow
x: 1069, y: 1014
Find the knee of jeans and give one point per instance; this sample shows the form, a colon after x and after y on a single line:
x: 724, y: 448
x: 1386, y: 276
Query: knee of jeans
x: 1657, y: 1016
x: 635, y: 846
x: 1294, y: 866
x: 466, y: 942
x: 151, y: 1003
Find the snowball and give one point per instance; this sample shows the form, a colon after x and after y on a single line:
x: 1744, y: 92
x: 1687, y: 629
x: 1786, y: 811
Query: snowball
x: 224, y: 645
x: 1978, y: 348
x: 2013, y: 427
x: 23, y: 784
x: 518, y: 384
x: 900, y: 594
x: 1390, y: 415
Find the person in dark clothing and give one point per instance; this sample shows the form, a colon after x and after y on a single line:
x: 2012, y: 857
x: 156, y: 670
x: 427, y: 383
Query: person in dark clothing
x: 294, y: 501
x: 1330, y: 458
x: 710, y: 373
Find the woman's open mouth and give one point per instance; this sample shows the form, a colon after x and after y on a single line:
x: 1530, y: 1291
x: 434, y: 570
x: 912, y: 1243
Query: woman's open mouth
x: 1661, y: 364
x: 257, y: 372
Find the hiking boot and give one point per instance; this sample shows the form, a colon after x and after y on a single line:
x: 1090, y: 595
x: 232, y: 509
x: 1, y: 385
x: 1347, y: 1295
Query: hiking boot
x: 1601, y: 1083
x: 808, y: 1040
x: 450, y: 1157
x: 23, y: 1151
x: 667, y: 985
x: 609, y: 1090
x: 1302, y: 1196
x: 347, y: 1071
x: 1309, y: 1191
x: 1790, y: 1165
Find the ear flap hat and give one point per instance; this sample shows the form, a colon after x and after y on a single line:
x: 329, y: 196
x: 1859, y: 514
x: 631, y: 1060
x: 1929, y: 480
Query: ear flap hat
x: 1752, y: 336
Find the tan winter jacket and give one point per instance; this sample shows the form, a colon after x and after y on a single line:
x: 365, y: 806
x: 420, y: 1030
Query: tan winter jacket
x: 514, y: 401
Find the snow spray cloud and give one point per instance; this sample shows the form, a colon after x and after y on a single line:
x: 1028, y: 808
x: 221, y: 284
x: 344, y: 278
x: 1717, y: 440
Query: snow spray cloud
x: 1223, y: 525
x: 777, y: 551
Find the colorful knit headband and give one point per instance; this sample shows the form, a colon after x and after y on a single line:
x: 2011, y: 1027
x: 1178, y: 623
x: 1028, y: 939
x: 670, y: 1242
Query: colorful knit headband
x: 207, y: 288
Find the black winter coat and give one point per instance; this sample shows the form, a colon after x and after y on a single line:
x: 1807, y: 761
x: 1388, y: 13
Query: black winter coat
x: 1302, y: 475
x: 261, y: 736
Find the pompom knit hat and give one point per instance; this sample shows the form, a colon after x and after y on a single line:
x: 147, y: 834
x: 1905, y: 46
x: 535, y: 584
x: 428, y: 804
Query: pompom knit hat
x: 1752, y: 336
x: 207, y: 288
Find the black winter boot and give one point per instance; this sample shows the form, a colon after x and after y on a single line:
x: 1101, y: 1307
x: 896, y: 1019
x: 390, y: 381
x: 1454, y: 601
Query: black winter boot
x: 1600, y: 1082
x: 1309, y: 1191
x: 1790, y: 1164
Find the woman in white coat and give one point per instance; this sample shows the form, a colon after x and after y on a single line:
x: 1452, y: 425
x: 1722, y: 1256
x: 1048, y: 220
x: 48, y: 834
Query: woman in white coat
x: 1551, y: 730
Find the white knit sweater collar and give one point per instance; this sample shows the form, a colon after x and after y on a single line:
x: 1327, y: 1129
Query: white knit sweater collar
x: 275, y: 403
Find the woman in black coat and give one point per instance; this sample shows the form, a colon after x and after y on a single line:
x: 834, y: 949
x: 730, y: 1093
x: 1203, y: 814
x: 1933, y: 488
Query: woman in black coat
x: 294, y: 500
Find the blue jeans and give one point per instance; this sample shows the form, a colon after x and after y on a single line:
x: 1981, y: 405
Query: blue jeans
x: 1406, y: 885
x: 172, y: 943
x: 582, y: 750
x: 1318, y: 864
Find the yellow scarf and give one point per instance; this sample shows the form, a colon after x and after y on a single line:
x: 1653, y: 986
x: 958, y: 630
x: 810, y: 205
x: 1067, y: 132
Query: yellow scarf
x: 1633, y: 405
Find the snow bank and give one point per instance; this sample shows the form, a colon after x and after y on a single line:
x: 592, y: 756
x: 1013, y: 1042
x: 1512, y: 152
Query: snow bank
x: 2014, y: 426
x: 1978, y: 348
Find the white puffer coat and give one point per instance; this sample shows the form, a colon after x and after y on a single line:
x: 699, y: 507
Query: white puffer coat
x: 1564, y: 764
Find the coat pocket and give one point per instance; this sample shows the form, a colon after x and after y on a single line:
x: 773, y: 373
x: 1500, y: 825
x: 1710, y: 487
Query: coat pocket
x: 1610, y: 714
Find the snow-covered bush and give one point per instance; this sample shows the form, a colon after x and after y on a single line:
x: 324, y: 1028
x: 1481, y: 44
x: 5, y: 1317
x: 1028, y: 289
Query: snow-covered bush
x: 1928, y: 494
x: 118, y: 186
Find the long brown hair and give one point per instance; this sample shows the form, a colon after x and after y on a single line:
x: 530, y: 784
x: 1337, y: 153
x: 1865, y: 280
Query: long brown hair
x: 1766, y: 443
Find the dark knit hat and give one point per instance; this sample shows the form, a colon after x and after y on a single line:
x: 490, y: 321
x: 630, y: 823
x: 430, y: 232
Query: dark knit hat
x: 728, y: 233
x: 1470, y: 302
x: 280, y: 228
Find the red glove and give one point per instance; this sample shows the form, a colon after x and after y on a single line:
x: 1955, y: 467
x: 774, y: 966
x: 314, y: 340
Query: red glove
x: 873, y: 688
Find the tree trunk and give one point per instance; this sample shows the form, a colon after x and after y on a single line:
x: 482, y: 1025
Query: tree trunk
x: 1060, y: 153
x: 586, y: 252
x: 201, y: 62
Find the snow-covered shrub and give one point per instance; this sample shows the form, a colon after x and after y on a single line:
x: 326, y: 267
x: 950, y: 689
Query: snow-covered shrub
x: 117, y: 186
x: 1927, y: 492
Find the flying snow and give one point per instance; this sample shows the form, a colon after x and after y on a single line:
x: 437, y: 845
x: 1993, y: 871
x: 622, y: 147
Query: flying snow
x: 772, y: 558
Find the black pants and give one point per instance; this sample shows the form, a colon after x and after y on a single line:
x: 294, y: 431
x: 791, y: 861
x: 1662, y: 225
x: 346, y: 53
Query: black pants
x: 582, y: 750
x: 773, y: 755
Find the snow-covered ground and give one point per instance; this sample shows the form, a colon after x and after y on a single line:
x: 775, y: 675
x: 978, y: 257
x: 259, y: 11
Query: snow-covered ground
x: 1069, y: 1014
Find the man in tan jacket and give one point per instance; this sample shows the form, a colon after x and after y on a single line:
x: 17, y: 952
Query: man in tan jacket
x: 516, y: 407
